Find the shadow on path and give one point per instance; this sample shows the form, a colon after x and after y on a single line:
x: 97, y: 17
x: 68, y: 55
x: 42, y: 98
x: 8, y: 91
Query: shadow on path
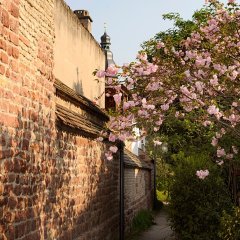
x: 161, y: 230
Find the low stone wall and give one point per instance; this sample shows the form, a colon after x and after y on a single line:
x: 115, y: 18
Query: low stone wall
x: 82, y: 197
x: 138, y: 190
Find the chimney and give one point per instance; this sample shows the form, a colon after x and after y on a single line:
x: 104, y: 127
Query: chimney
x: 84, y: 18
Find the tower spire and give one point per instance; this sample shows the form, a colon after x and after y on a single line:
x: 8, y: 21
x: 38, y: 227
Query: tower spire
x: 105, y: 27
x: 105, y: 39
x: 105, y: 44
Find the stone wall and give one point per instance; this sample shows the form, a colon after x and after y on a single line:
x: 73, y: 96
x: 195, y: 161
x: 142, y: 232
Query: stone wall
x: 27, y: 118
x: 54, y: 182
x: 82, y: 198
x: 138, y: 192
x: 77, y: 54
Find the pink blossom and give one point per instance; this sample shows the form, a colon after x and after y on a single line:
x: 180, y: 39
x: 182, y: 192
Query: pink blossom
x: 188, y: 108
x: 218, y: 135
x: 109, y: 156
x: 184, y: 90
x: 214, y: 141
x: 122, y: 137
x: 220, y: 152
x: 117, y: 98
x: 109, y: 81
x: 223, y: 131
x: 99, y: 139
x: 112, y: 138
x: 100, y: 74
x: 160, y: 45
x: 153, y: 86
x: 234, y: 75
x: 151, y: 106
x: 126, y: 105
x: 202, y: 174
x: 165, y: 107
x: 144, y: 101
x: 214, y: 80
x: 113, y: 149
x: 112, y: 70
x: 199, y: 86
x: 187, y: 73
x: 213, y: 110
x: 234, y: 104
x: 142, y: 56
x: 159, y: 122
x: 233, y: 118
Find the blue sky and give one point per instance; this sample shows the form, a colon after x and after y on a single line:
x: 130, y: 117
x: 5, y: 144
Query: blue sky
x: 131, y: 22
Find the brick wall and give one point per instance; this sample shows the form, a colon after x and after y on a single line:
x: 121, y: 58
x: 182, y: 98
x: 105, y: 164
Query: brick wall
x: 138, y: 192
x: 83, y: 194
x: 54, y: 184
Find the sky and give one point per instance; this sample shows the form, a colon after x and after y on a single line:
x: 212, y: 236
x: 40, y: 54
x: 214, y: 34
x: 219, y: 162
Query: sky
x: 131, y: 22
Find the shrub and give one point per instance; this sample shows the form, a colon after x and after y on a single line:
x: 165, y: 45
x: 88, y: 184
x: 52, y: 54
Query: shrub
x: 230, y: 225
x: 162, y: 196
x: 142, y: 221
x: 196, y: 205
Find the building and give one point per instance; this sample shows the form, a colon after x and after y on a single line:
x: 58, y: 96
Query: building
x: 54, y: 179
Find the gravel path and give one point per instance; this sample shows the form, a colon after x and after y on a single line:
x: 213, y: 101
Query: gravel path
x: 160, y: 231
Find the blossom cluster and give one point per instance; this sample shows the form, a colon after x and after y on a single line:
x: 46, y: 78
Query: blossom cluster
x: 200, y: 76
x: 202, y: 174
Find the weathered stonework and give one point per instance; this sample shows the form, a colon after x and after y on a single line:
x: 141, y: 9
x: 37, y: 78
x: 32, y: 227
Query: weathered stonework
x: 54, y: 184
x: 138, y: 187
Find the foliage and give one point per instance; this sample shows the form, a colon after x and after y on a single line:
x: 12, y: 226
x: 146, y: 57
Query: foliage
x: 196, y: 205
x: 230, y: 225
x: 162, y: 196
x: 193, y: 74
x: 142, y: 221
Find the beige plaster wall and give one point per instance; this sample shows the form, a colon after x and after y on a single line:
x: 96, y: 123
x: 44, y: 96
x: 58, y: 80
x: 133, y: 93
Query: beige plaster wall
x: 77, y: 54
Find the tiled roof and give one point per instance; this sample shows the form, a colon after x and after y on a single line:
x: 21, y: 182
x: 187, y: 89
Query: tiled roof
x: 132, y: 160
x: 87, y: 124
x: 77, y: 121
x: 68, y: 94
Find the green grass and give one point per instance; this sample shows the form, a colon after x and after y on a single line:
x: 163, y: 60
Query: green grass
x: 142, y: 221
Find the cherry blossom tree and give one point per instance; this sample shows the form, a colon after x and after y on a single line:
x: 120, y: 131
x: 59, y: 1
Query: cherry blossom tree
x: 198, y: 75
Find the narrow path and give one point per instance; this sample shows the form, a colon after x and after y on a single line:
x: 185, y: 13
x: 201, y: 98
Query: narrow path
x: 160, y: 231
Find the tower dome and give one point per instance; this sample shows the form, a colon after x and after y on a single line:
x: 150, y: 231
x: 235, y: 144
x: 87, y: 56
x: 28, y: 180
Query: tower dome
x: 105, y: 41
x: 105, y: 44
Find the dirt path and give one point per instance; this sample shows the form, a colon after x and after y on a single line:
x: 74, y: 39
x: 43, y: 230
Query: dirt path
x: 160, y: 231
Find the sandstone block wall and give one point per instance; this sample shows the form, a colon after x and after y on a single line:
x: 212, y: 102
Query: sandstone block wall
x: 54, y: 184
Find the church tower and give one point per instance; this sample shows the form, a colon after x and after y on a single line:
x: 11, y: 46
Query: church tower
x: 105, y: 44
